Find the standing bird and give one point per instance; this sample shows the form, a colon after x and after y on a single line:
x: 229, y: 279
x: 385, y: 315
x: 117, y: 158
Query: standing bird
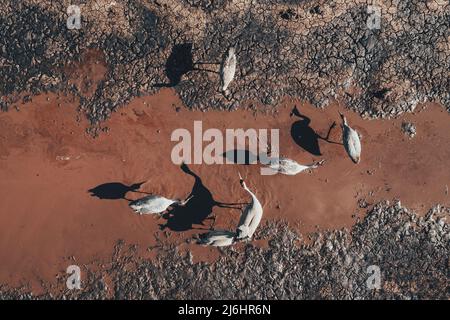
x: 351, y: 141
x: 217, y: 238
x: 155, y: 204
x: 251, y: 215
x: 291, y: 167
x: 227, y: 70
x: 285, y: 165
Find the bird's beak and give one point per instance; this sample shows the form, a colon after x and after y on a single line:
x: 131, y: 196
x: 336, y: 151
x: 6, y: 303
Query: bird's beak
x: 241, y: 180
x: 344, y: 120
x: 186, y: 200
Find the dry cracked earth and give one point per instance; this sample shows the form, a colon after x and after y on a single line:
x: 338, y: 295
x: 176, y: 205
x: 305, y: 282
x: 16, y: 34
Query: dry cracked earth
x: 313, y: 50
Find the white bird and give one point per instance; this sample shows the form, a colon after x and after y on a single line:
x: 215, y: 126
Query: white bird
x: 155, y: 204
x: 251, y: 215
x: 228, y: 69
x: 291, y: 167
x: 217, y: 238
x: 351, y: 141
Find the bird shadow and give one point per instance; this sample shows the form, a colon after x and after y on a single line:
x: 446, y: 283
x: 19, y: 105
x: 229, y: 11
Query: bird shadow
x: 305, y: 136
x: 240, y: 156
x: 179, y: 63
x: 197, y: 210
x: 246, y: 157
x: 115, y: 190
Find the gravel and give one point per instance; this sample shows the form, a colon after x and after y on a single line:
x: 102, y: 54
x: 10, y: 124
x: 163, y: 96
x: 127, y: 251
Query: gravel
x: 409, y: 129
x: 411, y: 253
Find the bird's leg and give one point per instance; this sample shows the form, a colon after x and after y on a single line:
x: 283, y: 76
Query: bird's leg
x: 329, y: 130
x: 185, y: 201
x: 216, y: 63
x: 246, y: 238
x: 327, y: 137
x: 162, y: 227
x: 316, y: 164
x: 165, y: 215
x: 214, y: 222
x: 227, y: 94
x: 204, y: 69
x: 321, y: 162
x: 197, y: 68
x: 143, y: 192
x: 229, y: 205
x: 218, y: 203
x: 204, y: 229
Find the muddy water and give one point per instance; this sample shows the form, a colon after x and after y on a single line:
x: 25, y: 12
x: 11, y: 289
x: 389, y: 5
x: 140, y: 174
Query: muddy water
x: 48, y: 165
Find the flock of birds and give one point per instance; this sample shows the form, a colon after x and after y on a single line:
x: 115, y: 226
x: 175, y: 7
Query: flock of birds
x: 252, y: 213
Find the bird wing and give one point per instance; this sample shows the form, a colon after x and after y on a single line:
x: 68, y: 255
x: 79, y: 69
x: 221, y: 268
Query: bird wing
x: 141, y: 201
x: 151, y: 204
x: 251, y: 218
x: 356, y: 142
x: 222, y: 241
x: 352, y: 143
x: 287, y: 166
x: 256, y: 219
x: 163, y: 203
x: 246, y: 216
x: 293, y: 167
x: 228, y: 70
x: 217, y: 238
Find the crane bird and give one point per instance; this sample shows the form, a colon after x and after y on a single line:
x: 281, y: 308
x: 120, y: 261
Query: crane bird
x: 291, y: 167
x: 351, y: 140
x: 285, y: 165
x: 228, y: 69
x: 155, y: 204
x: 251, y: 215
x: 217, y: 238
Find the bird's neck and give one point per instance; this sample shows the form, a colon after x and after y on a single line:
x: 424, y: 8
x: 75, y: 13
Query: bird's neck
x: 251, y: 194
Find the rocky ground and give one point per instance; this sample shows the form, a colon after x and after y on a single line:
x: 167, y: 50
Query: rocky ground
x: 315, y: 50
x: 411, y: 253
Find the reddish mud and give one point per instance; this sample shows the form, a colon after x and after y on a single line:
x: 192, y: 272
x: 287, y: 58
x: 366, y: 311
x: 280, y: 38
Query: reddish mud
x: 48, y: 163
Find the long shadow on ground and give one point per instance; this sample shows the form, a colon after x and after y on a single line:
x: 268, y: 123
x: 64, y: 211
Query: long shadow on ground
x: 114, y: 190
x: 197, y: 210
x: 305, y: 136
